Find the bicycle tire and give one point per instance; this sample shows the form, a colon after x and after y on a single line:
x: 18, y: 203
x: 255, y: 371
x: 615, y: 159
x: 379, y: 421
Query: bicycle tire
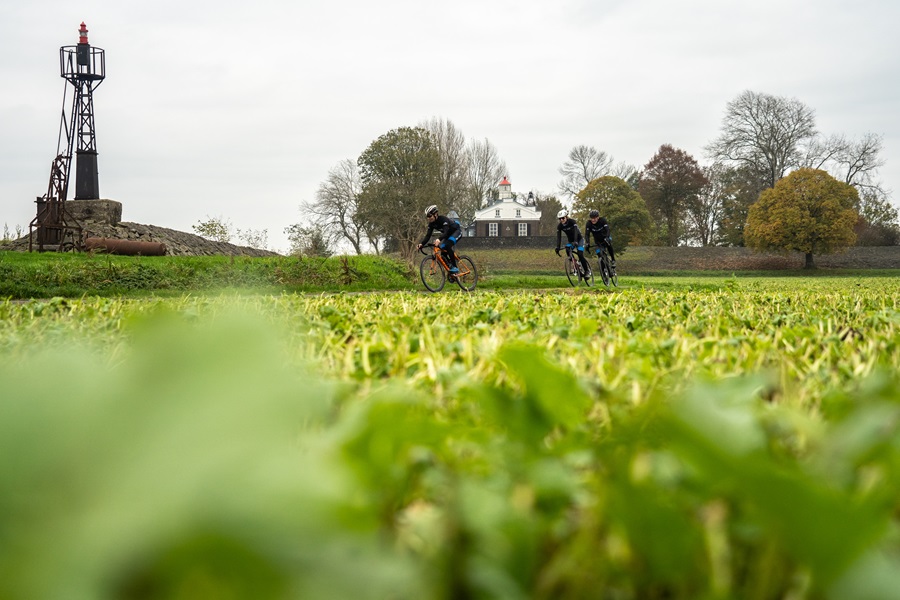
x: 432, y: 273
x: 588, y: 277
x: 604, y: 273
x: 613, y: 277
x: 466, y: 280
x: 571, y: 273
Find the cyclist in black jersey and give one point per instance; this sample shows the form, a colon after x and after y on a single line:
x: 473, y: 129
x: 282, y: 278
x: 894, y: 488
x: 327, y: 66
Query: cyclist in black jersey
x: 597, y: 230
x: 450, y: 233
x: 573, y: 234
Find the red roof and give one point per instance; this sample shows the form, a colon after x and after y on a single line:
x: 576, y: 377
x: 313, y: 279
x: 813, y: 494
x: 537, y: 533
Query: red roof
x: 505, y: 182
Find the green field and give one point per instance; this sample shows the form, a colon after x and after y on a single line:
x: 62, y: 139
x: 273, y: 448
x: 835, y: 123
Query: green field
x: 680, y: 437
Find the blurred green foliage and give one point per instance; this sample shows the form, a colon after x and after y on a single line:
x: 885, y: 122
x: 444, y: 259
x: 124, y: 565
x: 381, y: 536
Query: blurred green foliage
x: 739, y: 442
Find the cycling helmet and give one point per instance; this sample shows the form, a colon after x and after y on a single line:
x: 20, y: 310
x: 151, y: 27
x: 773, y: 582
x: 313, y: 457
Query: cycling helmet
x: 431, y: 210
x: 594, y: 214
x: 562, y: 213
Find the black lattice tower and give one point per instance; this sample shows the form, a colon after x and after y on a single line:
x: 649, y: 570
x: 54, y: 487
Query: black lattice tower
x: 84, y: 68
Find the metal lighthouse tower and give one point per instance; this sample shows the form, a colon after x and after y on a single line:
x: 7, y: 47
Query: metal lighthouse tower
x: 84, y: 68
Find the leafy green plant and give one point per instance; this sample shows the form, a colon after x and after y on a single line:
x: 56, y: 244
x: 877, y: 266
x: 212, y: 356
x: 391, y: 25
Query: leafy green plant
x: 737, y: 440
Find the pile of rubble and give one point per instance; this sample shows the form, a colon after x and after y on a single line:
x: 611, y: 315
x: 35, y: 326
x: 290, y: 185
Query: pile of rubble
x: 102, y: 219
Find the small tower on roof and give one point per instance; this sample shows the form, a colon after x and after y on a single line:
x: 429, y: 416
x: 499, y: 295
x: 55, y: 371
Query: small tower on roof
x: 505, y: 189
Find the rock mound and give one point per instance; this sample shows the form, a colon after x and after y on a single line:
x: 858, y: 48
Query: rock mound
x: 101, y: 218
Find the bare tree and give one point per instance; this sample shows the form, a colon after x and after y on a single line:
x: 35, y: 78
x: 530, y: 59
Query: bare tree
x: 485, y: 169
x: 858, y: 162
x: 853, y: 162
x: 704, y: 212
x: 255, y: 238
x: 821, y: 150
x: 764, y: 132
x: 451, y: 144
x: 624, y: 171
x: 585, y: 163
x: 335, y: 208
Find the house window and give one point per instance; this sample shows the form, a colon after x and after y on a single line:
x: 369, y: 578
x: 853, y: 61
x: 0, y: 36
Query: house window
x: 493, y: 230
x: 523, y: 229
x: 497, y: 213
x: 518, y: 213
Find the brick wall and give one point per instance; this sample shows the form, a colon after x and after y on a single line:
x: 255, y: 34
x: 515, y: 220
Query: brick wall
x: 650, y: 258
x: 868, y: 257
x: 486, y: 243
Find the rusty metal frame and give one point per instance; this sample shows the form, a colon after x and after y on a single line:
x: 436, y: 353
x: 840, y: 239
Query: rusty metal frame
x: 85, y: 70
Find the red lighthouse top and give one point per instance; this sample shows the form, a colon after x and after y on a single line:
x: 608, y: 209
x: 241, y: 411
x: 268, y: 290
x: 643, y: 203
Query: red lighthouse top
x: 82, y: 34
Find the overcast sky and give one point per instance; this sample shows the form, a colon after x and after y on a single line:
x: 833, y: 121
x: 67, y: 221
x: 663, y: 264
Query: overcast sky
x: 238, y: 110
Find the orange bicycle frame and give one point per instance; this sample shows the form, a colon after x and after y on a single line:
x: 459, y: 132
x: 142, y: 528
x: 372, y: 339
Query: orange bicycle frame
x: 439, y: 256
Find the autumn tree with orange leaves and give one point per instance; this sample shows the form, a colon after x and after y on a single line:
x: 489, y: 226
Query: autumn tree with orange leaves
x: 808, y: 211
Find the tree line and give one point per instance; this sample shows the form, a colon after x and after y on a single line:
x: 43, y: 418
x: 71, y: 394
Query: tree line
x: 375, y: 203
x: 773, y: 182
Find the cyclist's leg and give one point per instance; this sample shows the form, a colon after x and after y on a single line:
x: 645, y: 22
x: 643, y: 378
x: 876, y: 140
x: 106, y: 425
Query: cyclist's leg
x: 572, y: 250
x: 449, y: 250
x: 584, y: 262
x: 609, y: 248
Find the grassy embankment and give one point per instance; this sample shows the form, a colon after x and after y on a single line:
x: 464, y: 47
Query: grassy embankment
x: 24, y: 275
x: 33, y: 275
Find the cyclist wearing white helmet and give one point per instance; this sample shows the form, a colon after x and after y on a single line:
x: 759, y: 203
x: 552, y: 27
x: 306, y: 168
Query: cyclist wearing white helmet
x: 597, y: 227
x: 573, y: 234
x: 450, y: 232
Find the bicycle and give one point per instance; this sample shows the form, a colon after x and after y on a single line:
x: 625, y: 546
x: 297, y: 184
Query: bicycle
x: 574, y: 270
x: 435, y: 271
x: 607, y: 271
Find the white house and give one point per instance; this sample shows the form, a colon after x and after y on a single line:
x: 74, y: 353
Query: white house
x: 508, y: 216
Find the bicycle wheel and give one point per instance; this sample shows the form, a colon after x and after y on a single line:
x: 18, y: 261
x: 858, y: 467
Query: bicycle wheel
x: 432, y: 274
x: 604, y: 271
x: 613, y: 276
x: 571, y: 272
x: 604, y: 274
x: 588, y: 276
x: 468, y: 274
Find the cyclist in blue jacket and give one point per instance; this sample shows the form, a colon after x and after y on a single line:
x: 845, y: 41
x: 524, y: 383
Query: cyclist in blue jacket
x: 450, y: 233
x: 573, y: 234
x: 597, y: 227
